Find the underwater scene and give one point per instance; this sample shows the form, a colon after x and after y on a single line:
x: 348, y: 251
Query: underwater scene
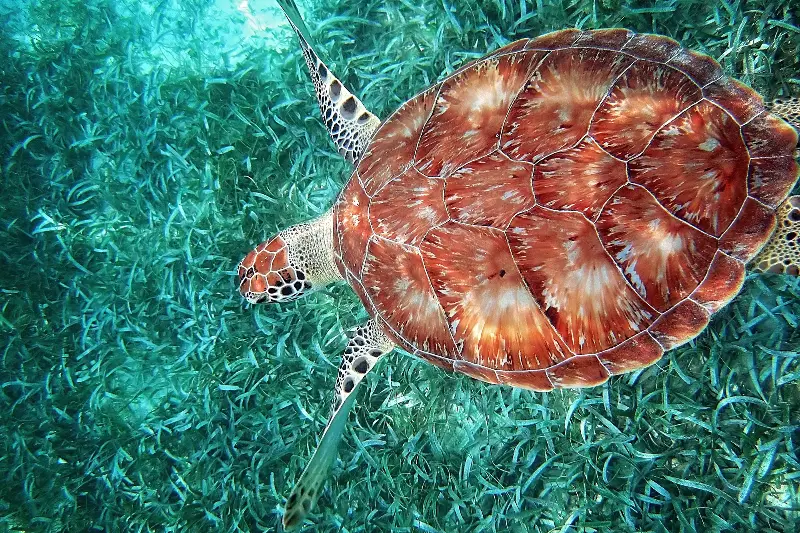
x: 159, y: 372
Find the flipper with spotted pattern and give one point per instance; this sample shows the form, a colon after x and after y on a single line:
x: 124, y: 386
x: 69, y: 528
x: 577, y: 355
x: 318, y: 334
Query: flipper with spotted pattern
x: 782, y: 253
x: 349, y: 123
x: 788, y: 109
x: 367, y: 345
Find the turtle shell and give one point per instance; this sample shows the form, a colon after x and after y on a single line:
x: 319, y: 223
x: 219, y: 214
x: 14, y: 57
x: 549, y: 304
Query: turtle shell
x: 566, y: 208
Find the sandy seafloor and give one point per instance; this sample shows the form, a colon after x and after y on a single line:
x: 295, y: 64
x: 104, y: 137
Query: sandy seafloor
x: 147, y: 146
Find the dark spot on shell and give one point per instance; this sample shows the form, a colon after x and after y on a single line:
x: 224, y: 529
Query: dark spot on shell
x: 794, y: 216
x: 250, y: 272
x: 363, y: 118
x: 502, y: 273
x: 348, y: 385
x: 306, y: 285
x: 272, y: 290
x: 298, y: 286
x: 287, y: 290
x: 323, y: 72
x: 791, y: 236
x: 301, y: 275
x: 292, y: 500
x: 349, y: 107
x: 360, y: 341
x: 261, y: 300
x: 375, y: 352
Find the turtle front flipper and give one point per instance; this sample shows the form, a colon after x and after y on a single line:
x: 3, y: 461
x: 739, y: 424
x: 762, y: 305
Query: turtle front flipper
x: 367, y: 344
x: 786, y: 108
x: 781, y: 254
x: 349, y: 123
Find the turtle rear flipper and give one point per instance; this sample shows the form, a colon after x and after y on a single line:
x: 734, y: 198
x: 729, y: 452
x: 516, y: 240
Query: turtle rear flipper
x: 367, y: 344
x: 782, y: 253
x: 786, y: 108
x: 349, y: 123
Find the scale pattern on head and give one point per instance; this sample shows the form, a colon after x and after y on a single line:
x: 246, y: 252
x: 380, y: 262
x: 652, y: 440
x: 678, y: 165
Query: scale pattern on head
x: 564, y: 209
x: 294, y: 262
x: 266, y: 275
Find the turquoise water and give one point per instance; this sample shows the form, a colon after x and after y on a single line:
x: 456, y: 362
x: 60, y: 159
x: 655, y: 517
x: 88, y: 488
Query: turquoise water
x: 148, y: 146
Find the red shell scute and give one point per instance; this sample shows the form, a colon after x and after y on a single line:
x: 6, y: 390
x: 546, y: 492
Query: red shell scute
x: 582, y: 179
x: 723, y: 281
x: 769, y: 136
x: 556, y: 40
x: 565, y: 209
x: 535, y: 380
x: 642, y: 100
x: 769, y: 180
x: 408, y: 221
x: 742, y: 102
x: 653, y: 47
x: 696, y: 166
x: 637, y: 352
x: 663, y: 258
x: 392, y: 152
x: 351, y: 222
x: 680, y: 324
x: 494, y: 318
x: 610, y: 39
x: 749, y: 232
x: 407, y: 300
x: 490, y: 191
x: 701, y: 68
x: 555, y: 108
x: 575, y: 281
x: 470, y: 111
x: 578, y: 371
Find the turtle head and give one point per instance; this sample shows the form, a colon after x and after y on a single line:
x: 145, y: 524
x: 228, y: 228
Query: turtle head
x: 291, y: 264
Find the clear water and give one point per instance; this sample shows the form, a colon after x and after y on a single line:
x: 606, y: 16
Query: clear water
x: 147, y: 146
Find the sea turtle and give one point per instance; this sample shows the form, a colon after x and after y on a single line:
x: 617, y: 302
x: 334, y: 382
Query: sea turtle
x: 565, y: 209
